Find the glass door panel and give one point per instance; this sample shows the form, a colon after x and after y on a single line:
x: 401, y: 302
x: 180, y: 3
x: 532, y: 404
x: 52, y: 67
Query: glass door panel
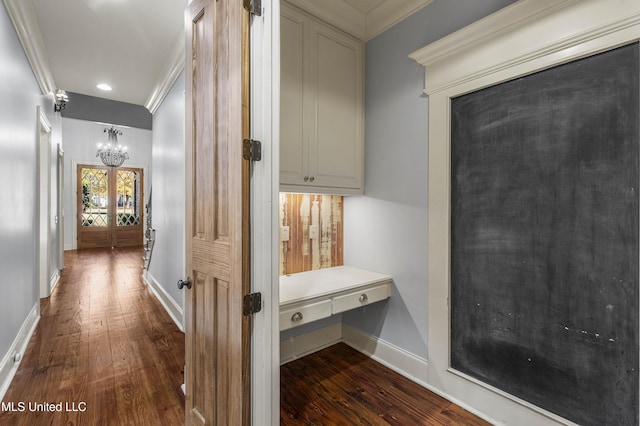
x: 95, y: 197
x: 128, y: 197
x: 94, y: 207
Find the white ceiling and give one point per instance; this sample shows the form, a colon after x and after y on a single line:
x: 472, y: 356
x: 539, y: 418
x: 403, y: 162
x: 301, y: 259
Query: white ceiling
x: 365, y: 6
x: 137, y: 46
x: 124, y: 43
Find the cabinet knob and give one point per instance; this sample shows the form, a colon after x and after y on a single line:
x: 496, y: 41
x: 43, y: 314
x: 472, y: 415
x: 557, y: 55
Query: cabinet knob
x: 296, y: 317
x: 311, y: 179
x: 306, y: 178
x: 363, y: 298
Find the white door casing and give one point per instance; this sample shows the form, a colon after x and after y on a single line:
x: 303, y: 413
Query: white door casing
x: 44, y: 203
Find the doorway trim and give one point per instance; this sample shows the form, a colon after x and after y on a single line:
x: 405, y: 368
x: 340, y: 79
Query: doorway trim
x: 265, y: 184
x: 74, y: 194
x: 44, y: 205
x: 59, y: 219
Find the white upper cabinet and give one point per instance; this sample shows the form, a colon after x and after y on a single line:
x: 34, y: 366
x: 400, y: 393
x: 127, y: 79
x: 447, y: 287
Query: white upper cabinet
x: 322, y: 107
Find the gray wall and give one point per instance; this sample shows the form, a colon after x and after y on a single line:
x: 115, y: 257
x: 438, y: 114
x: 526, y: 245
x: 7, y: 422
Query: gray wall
x: 386, y: 230
x: 90, y: 108
x: 168, y: 262
x: 81, y: 140
x: 18, y: 172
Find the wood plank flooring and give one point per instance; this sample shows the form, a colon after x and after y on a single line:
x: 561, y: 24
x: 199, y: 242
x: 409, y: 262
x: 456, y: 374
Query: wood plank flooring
x: 103, y: 340
x: 340, y: 386
x: 106, y: 348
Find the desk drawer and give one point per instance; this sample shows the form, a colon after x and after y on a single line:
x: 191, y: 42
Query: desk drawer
x: 361, y: 298
x: 295, y: 316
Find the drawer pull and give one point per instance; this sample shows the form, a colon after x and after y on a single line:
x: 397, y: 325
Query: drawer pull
x: 296, y: 317
x: 363, y: 298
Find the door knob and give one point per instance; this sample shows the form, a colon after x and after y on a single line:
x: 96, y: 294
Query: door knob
x: 186, y: 283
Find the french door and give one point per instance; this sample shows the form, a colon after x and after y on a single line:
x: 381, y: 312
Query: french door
x: 110, y: 206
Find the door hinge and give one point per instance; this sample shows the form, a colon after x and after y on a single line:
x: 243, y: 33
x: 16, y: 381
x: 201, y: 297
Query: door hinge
x: 253, y: 6
x: 251, y: 150
x: 252, y: 303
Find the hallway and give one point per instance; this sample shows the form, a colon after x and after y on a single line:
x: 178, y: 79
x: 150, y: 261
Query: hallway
x: 104, y: 348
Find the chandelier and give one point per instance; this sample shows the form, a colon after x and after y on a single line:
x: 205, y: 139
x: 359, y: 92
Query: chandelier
x: 112, y: 154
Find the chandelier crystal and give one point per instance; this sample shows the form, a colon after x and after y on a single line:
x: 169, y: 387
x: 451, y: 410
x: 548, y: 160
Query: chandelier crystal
x: 112, y: 154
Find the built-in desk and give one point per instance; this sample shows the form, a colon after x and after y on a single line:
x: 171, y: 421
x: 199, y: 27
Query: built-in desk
x: 310, y: 296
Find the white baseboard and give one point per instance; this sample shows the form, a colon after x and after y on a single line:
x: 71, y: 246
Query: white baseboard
x: 405, y: 363
x: 68, y: 246
x: 173, y: 309
x: 305, y: 344
x: 9, y: 365
x: 55, y: 279
x: 402, y: 362
x: 461, y: 404
x: 399, y: 360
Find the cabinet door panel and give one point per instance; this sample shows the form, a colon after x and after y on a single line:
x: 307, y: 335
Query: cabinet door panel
x: 322, y: 106
x: 336, y: 158
x: 293, y: 150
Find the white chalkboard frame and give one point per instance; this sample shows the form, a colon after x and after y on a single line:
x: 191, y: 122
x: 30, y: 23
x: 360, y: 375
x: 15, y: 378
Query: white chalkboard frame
x: 527, y: 37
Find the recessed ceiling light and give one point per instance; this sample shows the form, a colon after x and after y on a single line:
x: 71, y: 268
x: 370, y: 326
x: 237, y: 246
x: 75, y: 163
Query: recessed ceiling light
x: 104, y: 86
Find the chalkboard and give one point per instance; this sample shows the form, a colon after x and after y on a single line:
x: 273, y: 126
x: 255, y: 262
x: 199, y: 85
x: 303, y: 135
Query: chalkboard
x: 544, y: 237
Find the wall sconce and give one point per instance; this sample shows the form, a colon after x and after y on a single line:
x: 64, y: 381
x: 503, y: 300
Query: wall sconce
x: 61, y: 100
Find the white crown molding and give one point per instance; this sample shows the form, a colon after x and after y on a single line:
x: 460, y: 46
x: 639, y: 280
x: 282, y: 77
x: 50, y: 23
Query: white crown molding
x: 352, y: 21
x: 492, y: 26
x: 443, y: 53
x: 390, y: 13
x: 25, y: 23
x: 168, y: 76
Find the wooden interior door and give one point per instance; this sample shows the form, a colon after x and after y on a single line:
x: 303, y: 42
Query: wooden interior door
x: 217, y: 332
x: 110, y: 206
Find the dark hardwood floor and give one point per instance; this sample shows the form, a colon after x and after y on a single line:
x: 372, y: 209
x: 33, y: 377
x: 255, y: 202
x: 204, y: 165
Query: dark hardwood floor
x: 104, y: 345
x: 108, y: 352
x: 340, y: 386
